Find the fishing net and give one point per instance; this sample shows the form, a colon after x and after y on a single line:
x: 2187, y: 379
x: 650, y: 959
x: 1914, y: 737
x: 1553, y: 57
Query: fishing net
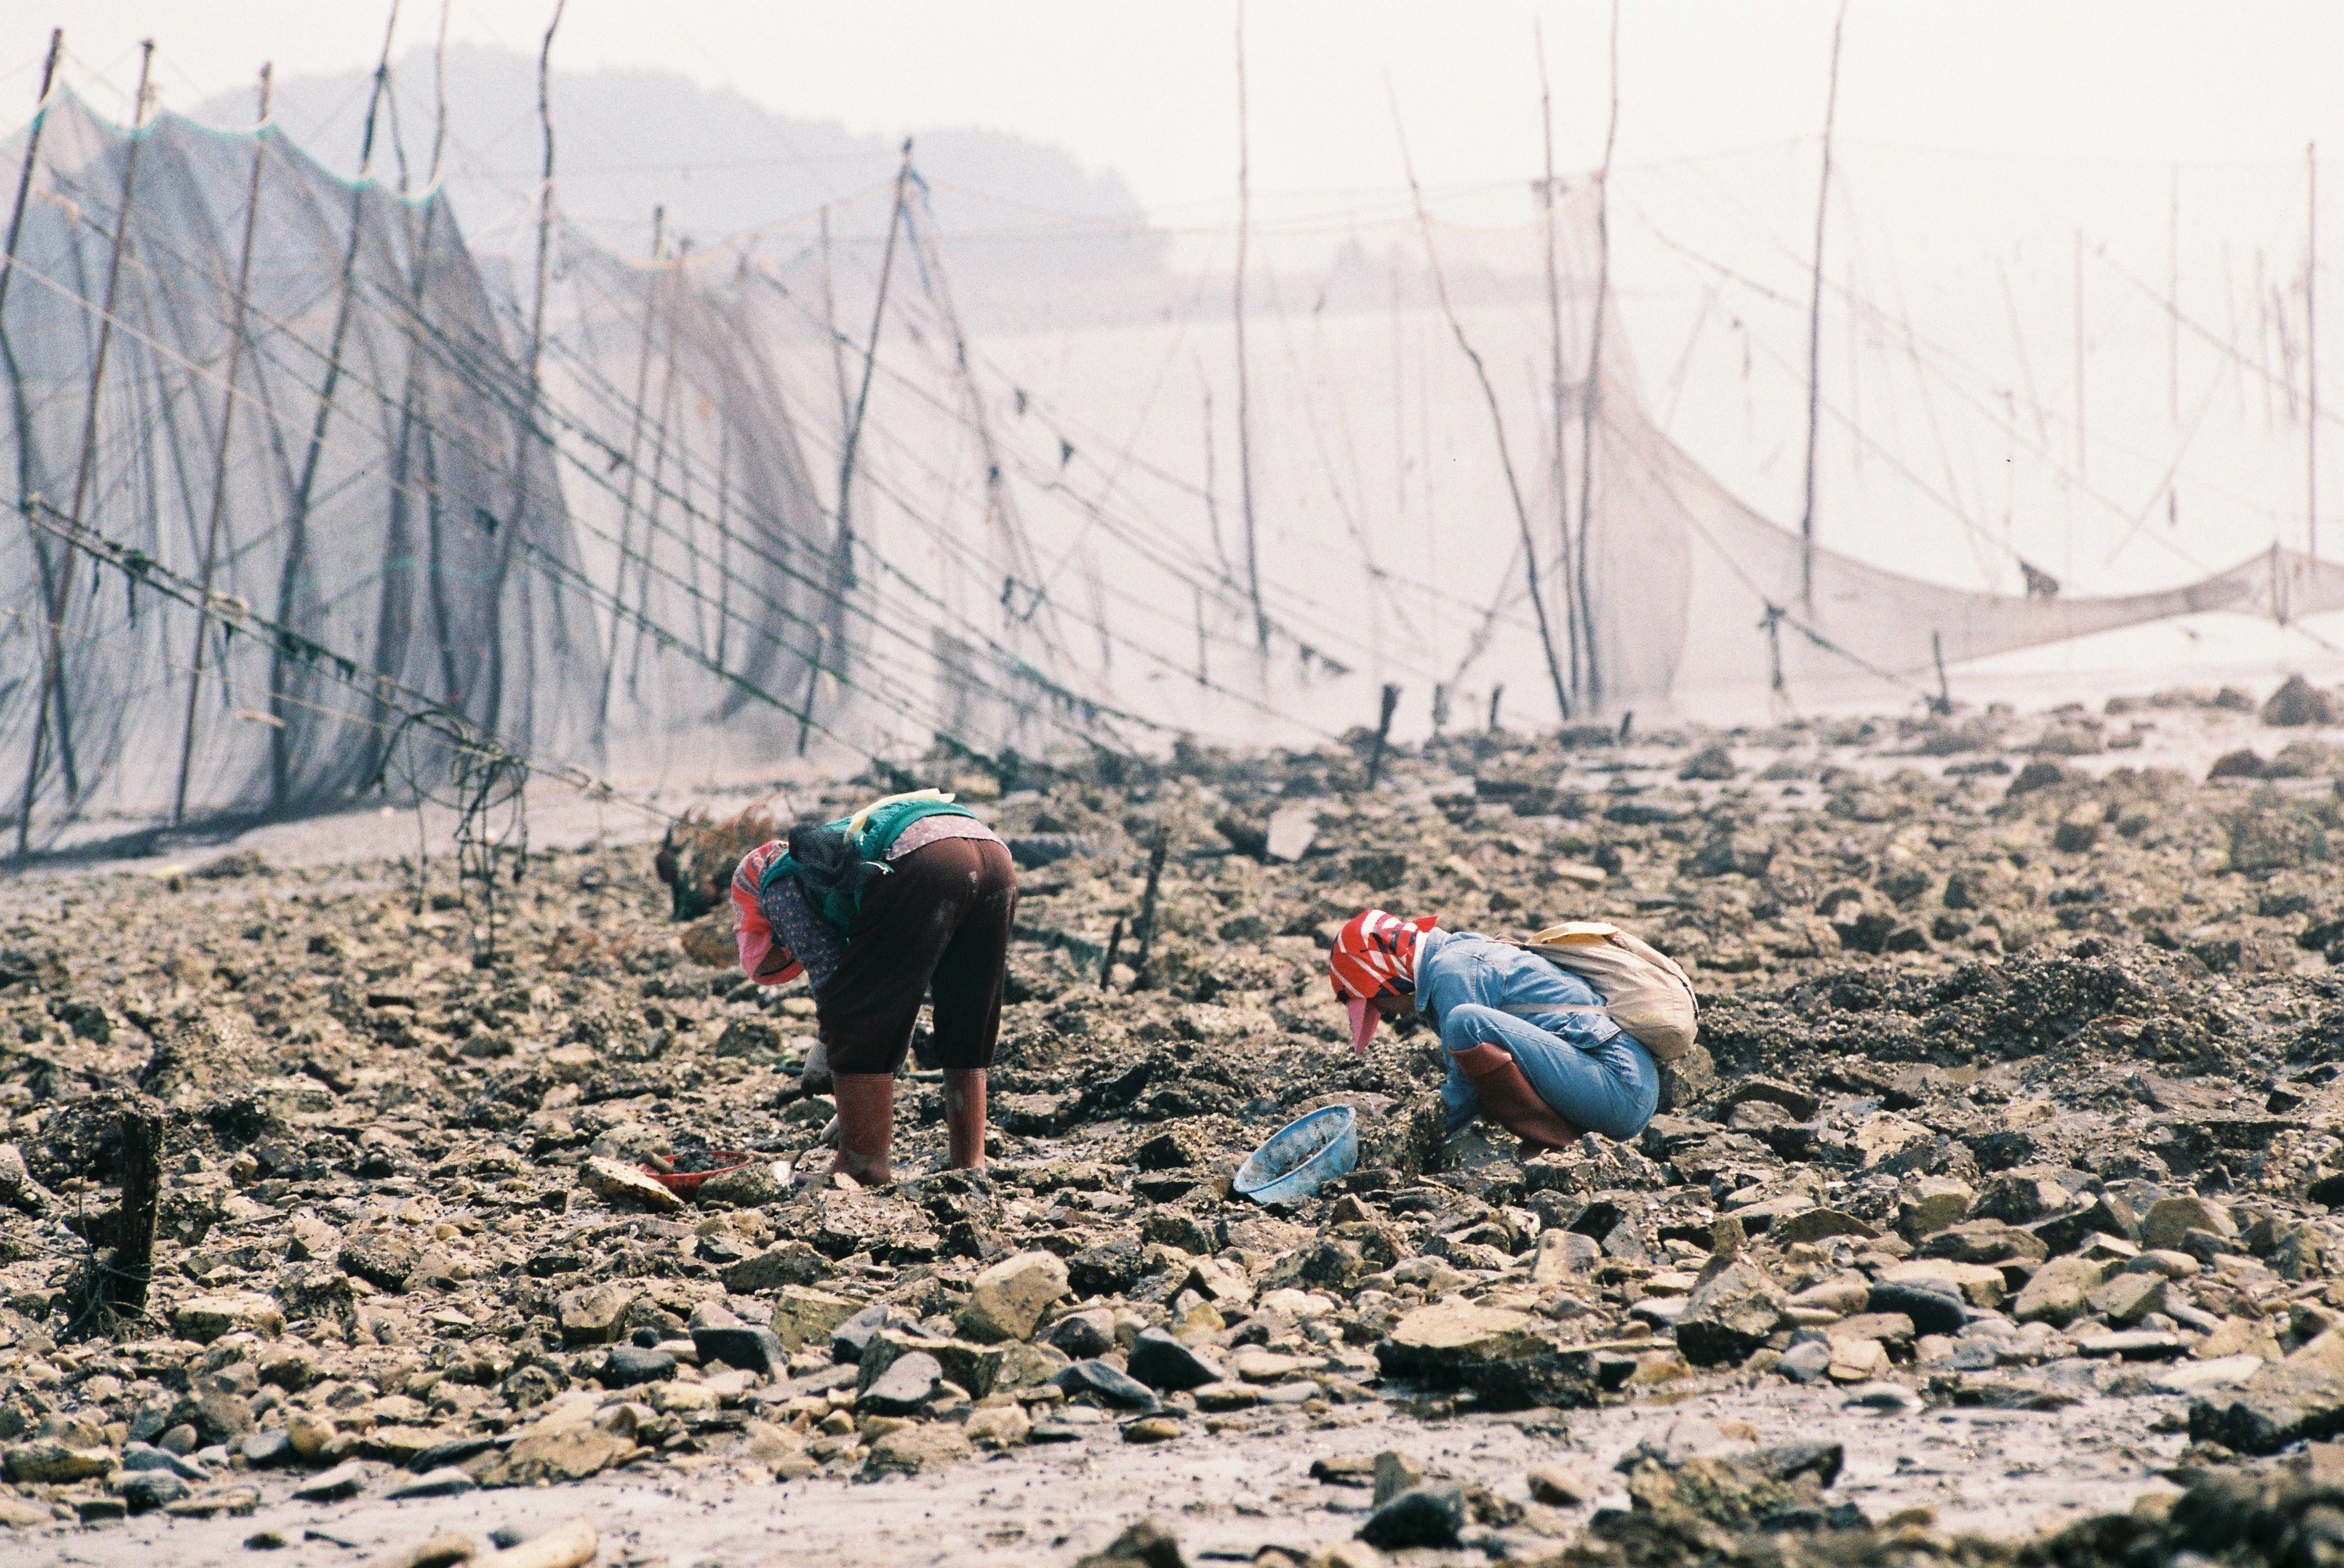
x: 705, y: 511
x: 297, y: 449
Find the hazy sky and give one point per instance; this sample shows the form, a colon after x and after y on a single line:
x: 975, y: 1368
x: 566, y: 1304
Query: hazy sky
x: 1148, y: 89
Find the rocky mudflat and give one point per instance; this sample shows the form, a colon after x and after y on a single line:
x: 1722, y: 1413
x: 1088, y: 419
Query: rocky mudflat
x: 1999, y: 1193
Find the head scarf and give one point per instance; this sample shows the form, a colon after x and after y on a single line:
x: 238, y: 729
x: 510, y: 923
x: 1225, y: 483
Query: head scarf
x: 1374, y: 956
x: 764, y: 956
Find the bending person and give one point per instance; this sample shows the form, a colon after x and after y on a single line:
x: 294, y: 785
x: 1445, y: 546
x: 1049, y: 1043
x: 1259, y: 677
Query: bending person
x: 875, y: 910
x: 1528, y: 1044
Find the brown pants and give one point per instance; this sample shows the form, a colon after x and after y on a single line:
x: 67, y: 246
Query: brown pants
x: 940, y: 916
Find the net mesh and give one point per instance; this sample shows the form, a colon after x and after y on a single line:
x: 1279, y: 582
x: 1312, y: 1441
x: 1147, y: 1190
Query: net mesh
x: 778, y: 498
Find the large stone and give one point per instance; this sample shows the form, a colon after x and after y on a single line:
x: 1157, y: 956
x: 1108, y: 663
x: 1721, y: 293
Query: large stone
x: 1102, y: 1382
x: 594, y: 1314
x: 751, y: 1347
x: 1729, y: 1312
x: 1108, y: 1268
x: 1143, y: 1545
x: 144, y: 1492
x: 1496, y: 1353
x: 1932, y: 1203
x: 2298, y: 702
x: 571, y: 1455
x: 2171, y: 1220
x: 1979, y: 1284
x: 851, y: 1338
x: 923, y: 1445
x: 1081, y: 1335
x: 1562, y: 1256
x: 2020, y: 1199
x: 1818, y: 1224
x: 622, y: 1186
x: 2276, y: 1406
x: 346, y: 1479
x: 976, y: 1368
x: 787, y: 1263
x: 1935, y: 1308
x: 629, y: 1366
x: 53, y: 1461
x: 997, y: 1427
x: 1008, y: 1300
x: 385, y: 1259
x: 804, y: 1317
x: 750, y: 1186
x: 1984, y: 1241
x: 903, y: 1387
x: 2057, y: 1292
x: 1768, y: 1489
x: 1420, y: 1516
x: 204, y: 1319
x: 1163, y: 1362
x: 2130, y: 1297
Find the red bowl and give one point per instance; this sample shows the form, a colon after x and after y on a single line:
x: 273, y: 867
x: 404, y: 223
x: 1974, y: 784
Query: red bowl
x: 686, y: 1183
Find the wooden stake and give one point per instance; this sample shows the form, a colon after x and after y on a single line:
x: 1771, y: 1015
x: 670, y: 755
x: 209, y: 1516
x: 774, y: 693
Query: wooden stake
x: 130, y: 1269
x: 1816, y: 328
x: 2312, y: 354
x: 236, y: 328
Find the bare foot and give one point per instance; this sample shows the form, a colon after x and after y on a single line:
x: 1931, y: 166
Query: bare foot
x: 867, y: 1170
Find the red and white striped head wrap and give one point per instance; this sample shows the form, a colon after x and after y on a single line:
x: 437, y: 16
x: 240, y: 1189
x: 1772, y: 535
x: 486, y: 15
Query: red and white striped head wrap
x: 1374, y: 956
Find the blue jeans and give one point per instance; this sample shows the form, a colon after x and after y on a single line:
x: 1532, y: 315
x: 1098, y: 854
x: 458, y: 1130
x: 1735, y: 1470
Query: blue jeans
x: 1611, y: 1088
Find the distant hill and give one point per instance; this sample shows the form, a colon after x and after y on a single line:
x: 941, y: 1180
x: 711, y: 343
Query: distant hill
x: 626, y: 141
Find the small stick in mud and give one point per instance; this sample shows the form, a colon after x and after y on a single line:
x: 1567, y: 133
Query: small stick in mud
x: 1383, y: 735
x: 1144, y: 933
x: 1114, y: 946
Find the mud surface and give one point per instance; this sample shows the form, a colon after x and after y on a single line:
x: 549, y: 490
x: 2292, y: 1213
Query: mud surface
x: 2005, y: 1174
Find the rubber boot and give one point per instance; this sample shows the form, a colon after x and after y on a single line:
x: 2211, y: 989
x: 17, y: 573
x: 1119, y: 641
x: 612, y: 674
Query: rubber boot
x: 965, y: 1117
x: 866, y: 1127
x: 1508, y: 1100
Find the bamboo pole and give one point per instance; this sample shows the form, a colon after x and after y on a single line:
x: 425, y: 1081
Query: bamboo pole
x: 1554, y: 388
x: 1237, y: 311
x: 17, y: 406
x: 296, y: 521
x: 238, y: 324
x: 1496, y: 422
x: 840, y: 579
x: 1591, y: 394
x: 24, y: 175
x: 1816, y: 328
x: 53, y: 686
x: 653, y: 293
x: 492, y: 706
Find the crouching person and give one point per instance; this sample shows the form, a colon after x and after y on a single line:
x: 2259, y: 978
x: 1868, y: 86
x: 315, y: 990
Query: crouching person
x: 908, y: 895
x: 1530, y: 1045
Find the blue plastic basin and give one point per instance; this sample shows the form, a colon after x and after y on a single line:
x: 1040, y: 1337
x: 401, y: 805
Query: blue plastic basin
x: 1301, y: 1155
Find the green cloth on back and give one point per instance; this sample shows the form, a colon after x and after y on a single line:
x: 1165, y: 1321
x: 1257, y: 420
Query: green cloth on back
x: 881, y: 829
